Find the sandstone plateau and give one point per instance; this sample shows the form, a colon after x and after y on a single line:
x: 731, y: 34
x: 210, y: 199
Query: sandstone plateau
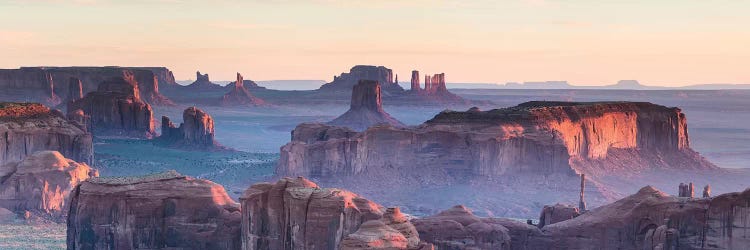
x: 539, y: 138
x: 26, y: 128
x: 51, y: 82
x: 41, y: 184
x: 297, y: 214
x: 195, y: 132
x: 366, y: 108
x: 116, y: 108
x: 240, y: 96
x: 160, y: 211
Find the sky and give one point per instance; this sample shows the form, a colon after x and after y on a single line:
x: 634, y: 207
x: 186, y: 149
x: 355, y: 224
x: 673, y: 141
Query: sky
x: 597, y: 42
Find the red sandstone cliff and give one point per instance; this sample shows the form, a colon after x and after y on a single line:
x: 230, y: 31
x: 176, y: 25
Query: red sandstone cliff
x: 26, y: 128
x: 536, y: 137
x: 117, y: 109
x: 366, y: 108
x: 159, y: 211
x: 41, y: 183
x: 51, y: 82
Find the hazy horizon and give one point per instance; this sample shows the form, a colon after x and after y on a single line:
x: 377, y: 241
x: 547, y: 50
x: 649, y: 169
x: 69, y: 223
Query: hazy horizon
x: 584, y: 43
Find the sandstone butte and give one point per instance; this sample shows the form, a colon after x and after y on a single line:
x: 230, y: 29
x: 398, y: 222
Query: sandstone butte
x: 539, y: 138
x: 26, y: 128
x: 239, y: 95
x: 116, y: 108
x: 195, y: 132
x: 366, y: 108
x: 346, y: 81
x: 51, y: 83
x: 41, y: 184
x: 169, y: 210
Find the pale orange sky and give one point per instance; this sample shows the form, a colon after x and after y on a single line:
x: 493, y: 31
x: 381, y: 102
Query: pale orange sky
x: 584, y: 42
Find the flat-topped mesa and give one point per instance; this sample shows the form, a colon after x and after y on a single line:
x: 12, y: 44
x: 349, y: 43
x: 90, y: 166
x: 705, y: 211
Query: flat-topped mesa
x: 41, y: 184
x: 26, y: 128
x: 43, y: 79
x: 540, y: 138
x: 346, y: 81
x: 297, y: 214
x: 165, y: 210
x: 116, y: 108
x: 366, y: 108
x: 240, y: 96
x: 196, y: 131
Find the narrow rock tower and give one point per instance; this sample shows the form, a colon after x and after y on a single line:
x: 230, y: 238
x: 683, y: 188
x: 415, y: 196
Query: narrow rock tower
x: 415, y: 85
x: 582, y: 201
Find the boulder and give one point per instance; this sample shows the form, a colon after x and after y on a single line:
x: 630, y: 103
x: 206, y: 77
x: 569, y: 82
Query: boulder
x: 557, y: 213
x: 159, y: 211
x: 458, y: 228
x: 26, y: 128
x: 41, y: 183
x: 366, y: 108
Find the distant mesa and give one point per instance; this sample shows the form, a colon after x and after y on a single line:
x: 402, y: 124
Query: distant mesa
x: 203, y: 83
x: 41, y: 184
x: 116, y: 108
x: 26, y: 128
x: 196, y: 131
x: 434, y: 89
x: 366, y: 108
x: 240, y: 96
x: 346, y: 81
x: 51, y: 84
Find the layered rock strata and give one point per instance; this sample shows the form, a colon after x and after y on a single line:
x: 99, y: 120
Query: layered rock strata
x: 297, y: 214
x: 161, y: 211
x: 196, y: 131
x: 51, y: 81
x: 26, y: 128
x: 41, y: 183
x: 540, y: 138
x: 366, y: 108
x: 117, y: 109
x: 240, y: 96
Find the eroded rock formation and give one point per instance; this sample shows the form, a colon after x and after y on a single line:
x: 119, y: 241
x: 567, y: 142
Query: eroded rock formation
x: 50, y: 82
x: 537, y: 137
x: 240, y: 96
x: 196, y: 131
x: 41, y: 183
x: 203, y: 83
x: 26, y: 128
x: 366, y: 108
x: 346, y: 81
x: 557, y: 213
x: 297, y: 214
x: 434, y: 90
x: 161, y: 211
x: 117, y: 109
x: 458, y: 228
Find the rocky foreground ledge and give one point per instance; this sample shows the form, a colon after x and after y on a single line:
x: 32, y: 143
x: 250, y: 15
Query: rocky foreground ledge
x: 26, y: 128
x: 169, y: 210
